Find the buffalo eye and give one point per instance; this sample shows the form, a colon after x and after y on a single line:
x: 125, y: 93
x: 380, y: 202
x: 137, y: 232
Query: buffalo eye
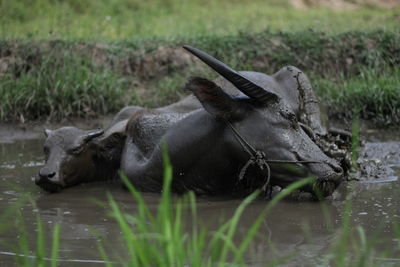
x: 291, y: 117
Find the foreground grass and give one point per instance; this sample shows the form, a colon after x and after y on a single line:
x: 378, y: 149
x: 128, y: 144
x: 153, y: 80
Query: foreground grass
x: 162, y: 239
x: 159, y: 239
x: 123, y: 19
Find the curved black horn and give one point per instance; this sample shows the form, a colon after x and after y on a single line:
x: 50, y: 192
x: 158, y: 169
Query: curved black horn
x: 246, y: 86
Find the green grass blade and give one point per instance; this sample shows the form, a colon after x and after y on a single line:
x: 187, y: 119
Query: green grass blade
x: 233, y: 225
x: 55, y: 245
x: 256, y: 225
x: 342, y: 245
x: 144, y: 212
x: 396, y: 228
x: 104, y: 256
x: 40, y: 244
x: 128, y: 235
x: 23, y: 242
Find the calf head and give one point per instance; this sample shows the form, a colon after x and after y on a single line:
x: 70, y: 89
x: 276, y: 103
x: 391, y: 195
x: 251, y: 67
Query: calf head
x: 74, y: 156
x: 264, y: 121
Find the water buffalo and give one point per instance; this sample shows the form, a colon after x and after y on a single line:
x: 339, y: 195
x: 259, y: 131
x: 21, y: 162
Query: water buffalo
x: 76, y: 156
x: 211, y: 148
x: 215, y: 139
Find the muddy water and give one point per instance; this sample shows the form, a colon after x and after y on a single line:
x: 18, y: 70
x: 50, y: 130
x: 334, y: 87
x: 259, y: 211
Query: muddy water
x: 304, y: 230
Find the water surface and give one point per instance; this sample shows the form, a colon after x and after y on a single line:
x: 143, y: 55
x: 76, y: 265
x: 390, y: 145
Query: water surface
x: 303, y: 229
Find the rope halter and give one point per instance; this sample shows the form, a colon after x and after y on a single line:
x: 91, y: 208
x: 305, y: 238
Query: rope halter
x: 258, y: 158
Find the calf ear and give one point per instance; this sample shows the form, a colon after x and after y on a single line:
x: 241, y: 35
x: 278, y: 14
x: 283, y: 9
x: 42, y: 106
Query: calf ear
x: 92, y: 134
x: 47, y: 132
x: 214, y: 100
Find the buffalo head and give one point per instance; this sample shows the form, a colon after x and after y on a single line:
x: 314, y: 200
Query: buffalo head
x: 74, y: 156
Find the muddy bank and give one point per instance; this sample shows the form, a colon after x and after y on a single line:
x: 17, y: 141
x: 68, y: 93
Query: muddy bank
x: 379, y: 159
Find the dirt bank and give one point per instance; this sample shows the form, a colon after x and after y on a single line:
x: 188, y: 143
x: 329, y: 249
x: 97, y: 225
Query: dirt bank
x: 344, y: 4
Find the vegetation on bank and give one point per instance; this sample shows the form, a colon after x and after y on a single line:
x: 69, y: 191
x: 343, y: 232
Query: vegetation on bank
x: 55, y: 79
x: 126, y: 19
x: 375, y: 95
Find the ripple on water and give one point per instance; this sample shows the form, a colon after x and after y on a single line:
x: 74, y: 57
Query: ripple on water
x: 33, y: 164
x: 10, y: 192
x: 12, y: 200
x: 7, y: 166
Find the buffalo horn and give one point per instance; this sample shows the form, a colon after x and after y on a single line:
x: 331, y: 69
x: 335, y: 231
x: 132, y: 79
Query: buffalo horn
x: 242, y: 83
x: 92, y: 134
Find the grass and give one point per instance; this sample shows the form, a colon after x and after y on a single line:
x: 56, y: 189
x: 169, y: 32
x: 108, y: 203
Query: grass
x: 62, y: 85
x: 353, y: 246
x: 372, y: 94
x: 69, y: 58
x: 58, y: 79
x: 123, y: 19
x: 25, y: 255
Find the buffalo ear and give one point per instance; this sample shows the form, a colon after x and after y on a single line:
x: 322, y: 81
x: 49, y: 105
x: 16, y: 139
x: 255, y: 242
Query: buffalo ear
x: 92, y: 134
x: 214, y: 100
x: 113, y: 141
x: 47, y: 132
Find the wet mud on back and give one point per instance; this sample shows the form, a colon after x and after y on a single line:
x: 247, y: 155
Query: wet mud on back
x: 303, y: 229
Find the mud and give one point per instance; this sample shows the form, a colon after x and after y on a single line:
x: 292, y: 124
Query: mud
x: 304, y: 230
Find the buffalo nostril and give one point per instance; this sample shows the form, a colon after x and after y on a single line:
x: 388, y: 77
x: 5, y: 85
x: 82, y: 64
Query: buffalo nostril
x: 47, y: 175
x: 338, y: 170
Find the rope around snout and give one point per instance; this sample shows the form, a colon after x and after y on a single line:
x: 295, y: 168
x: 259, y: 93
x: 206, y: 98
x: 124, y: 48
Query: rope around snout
x: 258, y: 157
x: 260, y: 160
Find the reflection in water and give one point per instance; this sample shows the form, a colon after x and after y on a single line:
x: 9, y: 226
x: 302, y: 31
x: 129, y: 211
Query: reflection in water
x: 303, y: 229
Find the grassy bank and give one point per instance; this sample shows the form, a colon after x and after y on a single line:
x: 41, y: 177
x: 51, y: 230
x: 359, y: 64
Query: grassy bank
x: 125, y: 19
x: 55, y: 79
x: 372, y: 94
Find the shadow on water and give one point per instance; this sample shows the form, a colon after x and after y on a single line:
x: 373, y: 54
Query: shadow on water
x: 303, y: 229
